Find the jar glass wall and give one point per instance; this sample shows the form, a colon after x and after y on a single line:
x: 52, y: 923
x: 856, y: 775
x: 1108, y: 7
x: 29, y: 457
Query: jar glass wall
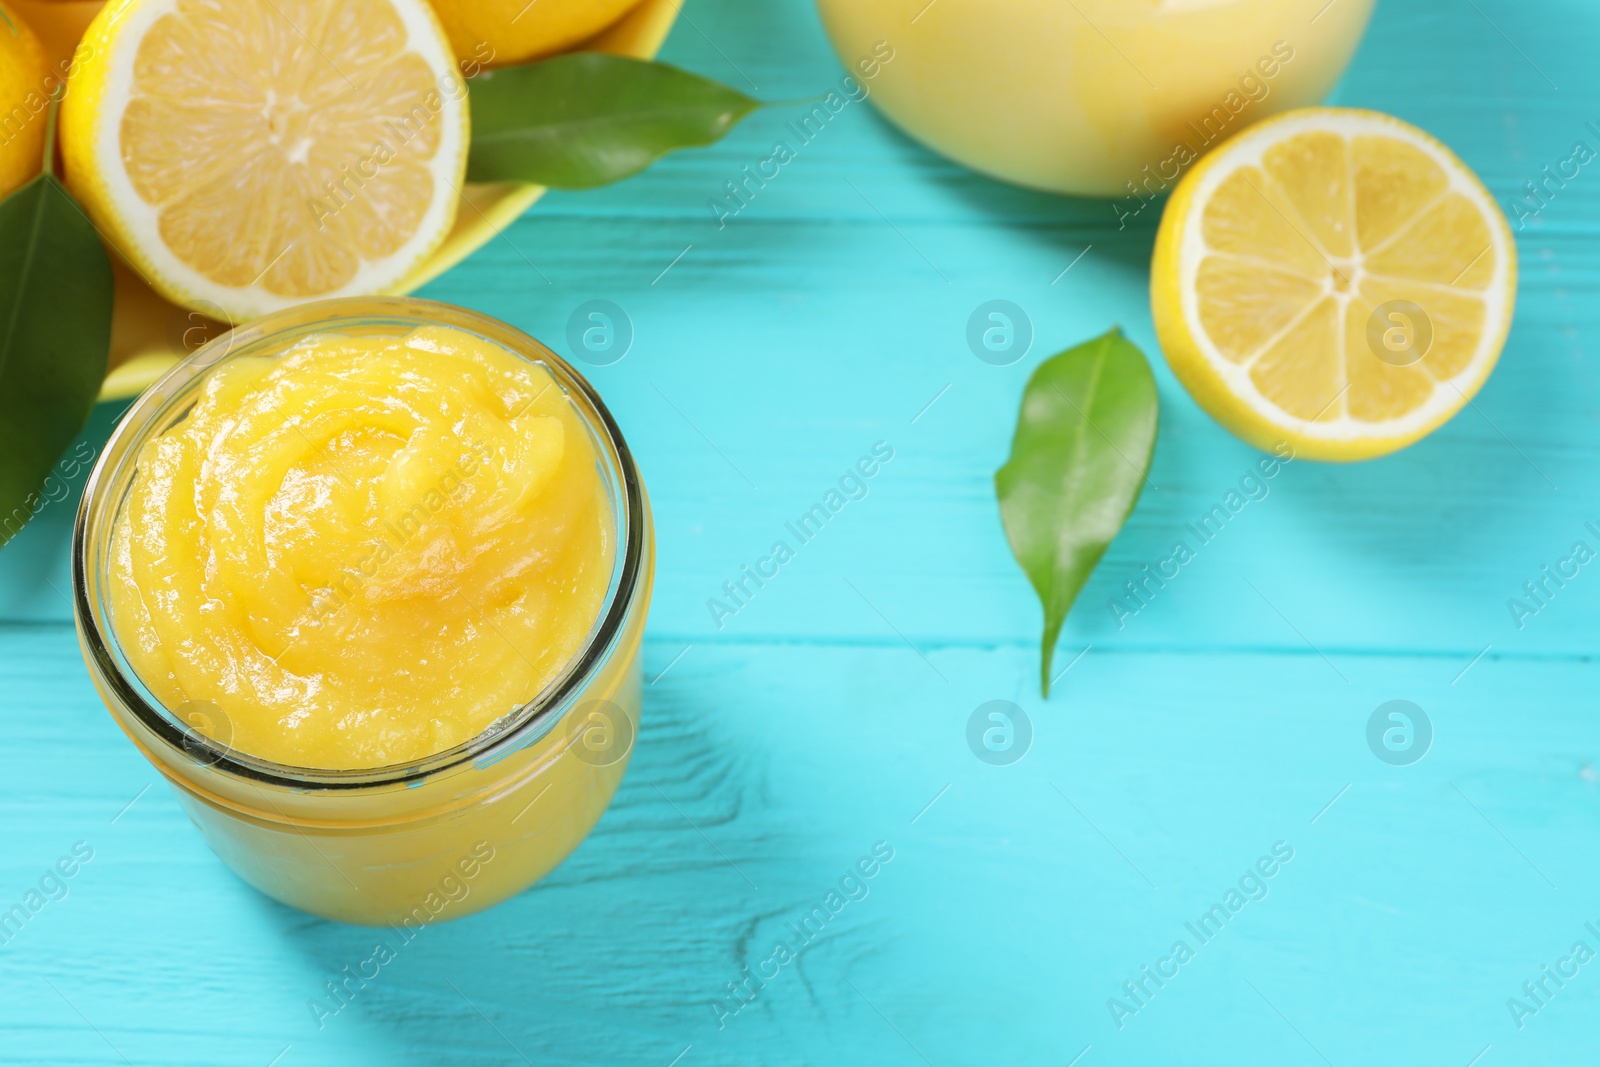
x: 437, y: 838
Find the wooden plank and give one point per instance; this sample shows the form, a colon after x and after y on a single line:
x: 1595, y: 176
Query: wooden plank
x: 1018, y: 900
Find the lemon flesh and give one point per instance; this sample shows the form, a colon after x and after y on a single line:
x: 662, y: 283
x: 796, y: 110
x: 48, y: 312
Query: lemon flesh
x: 1333, y: 279
x: 246, y: 156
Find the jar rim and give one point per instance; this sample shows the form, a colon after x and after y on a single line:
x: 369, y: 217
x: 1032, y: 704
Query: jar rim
x: 526, y: 724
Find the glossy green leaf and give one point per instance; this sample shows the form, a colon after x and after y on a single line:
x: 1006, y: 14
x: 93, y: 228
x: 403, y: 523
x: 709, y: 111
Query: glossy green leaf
x: 55, y: 335
x: 586, y: 119
x: 1082, y: 450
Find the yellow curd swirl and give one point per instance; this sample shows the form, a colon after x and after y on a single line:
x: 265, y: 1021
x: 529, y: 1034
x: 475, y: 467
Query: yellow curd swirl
x: 364, y: 551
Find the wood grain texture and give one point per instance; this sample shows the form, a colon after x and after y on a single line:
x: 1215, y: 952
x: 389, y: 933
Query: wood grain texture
x: 1014, y: 906
x: 831, y: 709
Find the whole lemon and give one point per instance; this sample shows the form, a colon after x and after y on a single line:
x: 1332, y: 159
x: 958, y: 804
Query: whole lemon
x: 59, y: 25
x: 25, y: 88
x: 495, y: 32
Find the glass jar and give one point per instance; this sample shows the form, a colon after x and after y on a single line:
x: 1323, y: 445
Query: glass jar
x: 415, y: 843
x: 1089, y: 97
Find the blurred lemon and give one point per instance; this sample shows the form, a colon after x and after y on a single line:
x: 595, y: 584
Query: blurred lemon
x: 249, y: 155
x: 1335, y: 279
x: 491, y: 32
x: 25, y: 90
x: 59, y: 25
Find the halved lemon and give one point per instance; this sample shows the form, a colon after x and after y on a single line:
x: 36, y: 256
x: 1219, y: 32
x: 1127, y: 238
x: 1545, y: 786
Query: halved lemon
x: 1333, y: 279
x: 251, y: 154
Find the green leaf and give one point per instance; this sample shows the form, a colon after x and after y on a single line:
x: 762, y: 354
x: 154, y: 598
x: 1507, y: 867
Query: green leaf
x: 55, y: 335
x: 1085, y: 435
x: 586, y: 119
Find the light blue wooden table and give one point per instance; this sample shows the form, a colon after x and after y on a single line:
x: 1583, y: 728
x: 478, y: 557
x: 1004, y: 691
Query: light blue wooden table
x: 830, y: 713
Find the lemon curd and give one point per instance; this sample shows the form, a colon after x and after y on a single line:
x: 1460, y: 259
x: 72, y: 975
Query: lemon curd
x: 365, y: 551
x: 1093, y: 97
x: 366, y: 582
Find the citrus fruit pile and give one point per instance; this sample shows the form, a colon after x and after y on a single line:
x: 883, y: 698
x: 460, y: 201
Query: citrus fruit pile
x: 245, y: 156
